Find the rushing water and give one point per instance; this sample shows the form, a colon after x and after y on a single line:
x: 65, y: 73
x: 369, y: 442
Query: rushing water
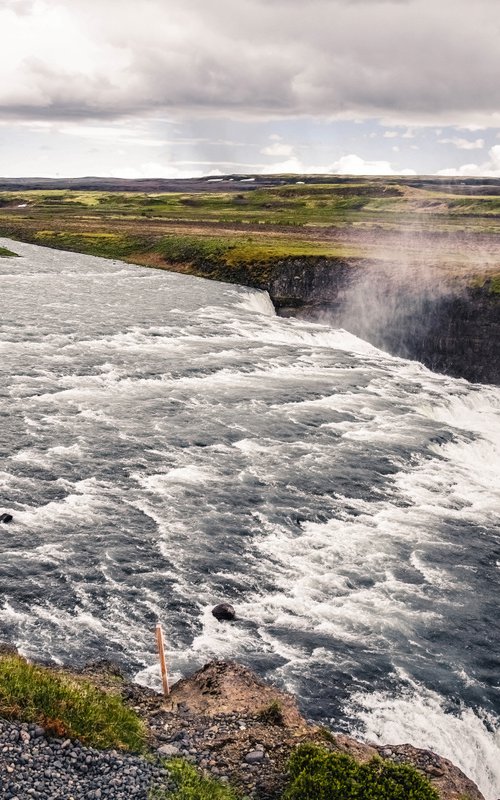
x: 168, y: 443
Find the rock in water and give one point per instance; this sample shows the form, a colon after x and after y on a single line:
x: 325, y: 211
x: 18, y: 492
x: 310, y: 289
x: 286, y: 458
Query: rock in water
x: 5, y: 517
x: 224, y: 612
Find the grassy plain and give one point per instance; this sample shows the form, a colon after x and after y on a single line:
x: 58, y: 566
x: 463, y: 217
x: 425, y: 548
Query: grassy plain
x: 243, y: 235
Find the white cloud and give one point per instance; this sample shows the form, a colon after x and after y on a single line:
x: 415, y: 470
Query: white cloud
x: 153, y: 169
x: 351, y: 164
x: 489, y: 169
x: 464, y: 144
x: 119, y: 135
x: 473, y: 128
x: 277, y: 149
x: 391, y: 134
x: 354, y: 165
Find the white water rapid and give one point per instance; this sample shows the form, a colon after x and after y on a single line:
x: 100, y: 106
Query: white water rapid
x: 169, y: 443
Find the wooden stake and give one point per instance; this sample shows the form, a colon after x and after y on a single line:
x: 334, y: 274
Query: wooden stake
x: 163, y: 663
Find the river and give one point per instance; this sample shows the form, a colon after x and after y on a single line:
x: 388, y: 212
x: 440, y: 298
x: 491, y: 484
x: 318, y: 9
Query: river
x: 169, y: 443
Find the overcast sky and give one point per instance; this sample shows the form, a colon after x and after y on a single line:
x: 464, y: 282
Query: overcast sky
x: 167, y: 88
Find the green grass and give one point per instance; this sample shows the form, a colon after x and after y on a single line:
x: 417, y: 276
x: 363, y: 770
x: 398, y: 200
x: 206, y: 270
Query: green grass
x: 231, y: 257
x: 292, y: 205
x: 245, y: 236
x: 4, y: 253
x: 67, y: 707
x: 234, y: 250
x: 317, y: 774
x: 191, y: 785
x: 97, y: 243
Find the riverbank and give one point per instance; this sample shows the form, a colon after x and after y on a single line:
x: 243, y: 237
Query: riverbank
x: 223, y: 719
x: 411, y: 265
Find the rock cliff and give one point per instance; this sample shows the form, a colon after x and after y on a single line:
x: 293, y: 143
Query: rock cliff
x: 450, y: 326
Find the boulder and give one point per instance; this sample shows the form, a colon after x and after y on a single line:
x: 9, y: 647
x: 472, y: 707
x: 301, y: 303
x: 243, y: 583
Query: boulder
x: 5, y: 517
x: 224, y: 612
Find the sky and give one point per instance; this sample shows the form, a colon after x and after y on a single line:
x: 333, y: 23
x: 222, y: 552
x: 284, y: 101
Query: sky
x: 180, y: 88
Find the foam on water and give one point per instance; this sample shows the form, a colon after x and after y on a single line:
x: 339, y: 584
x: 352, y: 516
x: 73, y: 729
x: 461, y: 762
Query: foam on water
x: 169, y: 442
x: 470, y: 739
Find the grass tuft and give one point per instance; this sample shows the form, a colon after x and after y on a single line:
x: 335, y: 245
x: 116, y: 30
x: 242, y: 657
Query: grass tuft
x: 4, y: 253
x: 190, y: 784
x: 67, y: 707
x: 272, y: 714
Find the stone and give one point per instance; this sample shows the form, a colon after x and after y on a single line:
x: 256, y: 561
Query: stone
x: 224, y: 612
x: 254, y: 757
x: 168, y: 751
x: 436, y: 772
x: 5, y: 518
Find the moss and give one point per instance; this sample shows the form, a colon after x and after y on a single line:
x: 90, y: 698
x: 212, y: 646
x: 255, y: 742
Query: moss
x: 66, y: 707
x: 494, y: 285
x: 4, y: 253
x: 322, y: 775
x: 490, y: 283
x: 96, y: 243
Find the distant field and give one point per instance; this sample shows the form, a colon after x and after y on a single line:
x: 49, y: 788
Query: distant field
x: 243, y: 234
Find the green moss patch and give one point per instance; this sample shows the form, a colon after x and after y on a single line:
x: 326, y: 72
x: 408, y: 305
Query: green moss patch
x: 95, y: 243
x: 4, y: 253
x: 66, y: 707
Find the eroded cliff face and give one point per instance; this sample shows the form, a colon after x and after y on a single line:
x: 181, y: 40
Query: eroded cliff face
x: 449, y: 326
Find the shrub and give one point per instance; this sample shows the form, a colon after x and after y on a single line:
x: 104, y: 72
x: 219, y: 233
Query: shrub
x: 191, y: 785
x: 317, y: 774
x: 67, y: 707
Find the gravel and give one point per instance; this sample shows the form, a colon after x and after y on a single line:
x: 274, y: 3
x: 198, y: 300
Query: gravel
x: 36, y: 767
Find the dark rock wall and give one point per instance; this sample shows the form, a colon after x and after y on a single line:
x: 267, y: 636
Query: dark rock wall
x: 450, y: 328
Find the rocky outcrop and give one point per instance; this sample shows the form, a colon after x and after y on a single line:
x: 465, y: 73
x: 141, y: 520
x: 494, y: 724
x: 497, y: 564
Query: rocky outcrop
x: 449, y: 326
x: 241, y: 729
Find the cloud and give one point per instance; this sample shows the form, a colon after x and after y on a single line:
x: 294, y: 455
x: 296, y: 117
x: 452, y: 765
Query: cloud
x: 463, y: 144
x: 84, y: 59
x: 154, y: 169
x: 346, y: 165
x: 355, y: 165
x: 277, y: 149
x: 489, y: 169
x: 134, y: 136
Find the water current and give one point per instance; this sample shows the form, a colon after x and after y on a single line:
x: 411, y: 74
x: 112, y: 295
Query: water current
x: 168, y: 443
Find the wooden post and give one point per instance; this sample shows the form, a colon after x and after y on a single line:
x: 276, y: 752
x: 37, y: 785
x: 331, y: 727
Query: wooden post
x: 163, y: 664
